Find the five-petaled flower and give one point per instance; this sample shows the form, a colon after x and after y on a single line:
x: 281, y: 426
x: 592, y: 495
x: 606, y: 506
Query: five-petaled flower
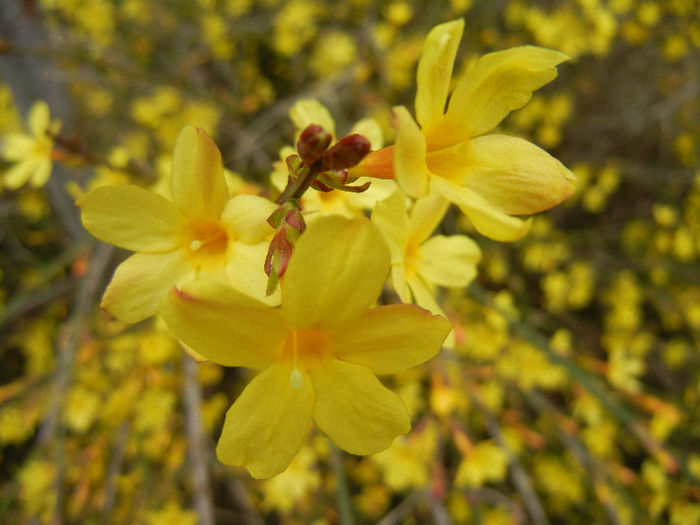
x: 492, y: 178
x: 32, y: 153
x: 201, y: 232
x: 318, y: 354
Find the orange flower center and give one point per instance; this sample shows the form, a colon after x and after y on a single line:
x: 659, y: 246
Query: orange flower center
x: 304, y: 348
x: 205, y: 238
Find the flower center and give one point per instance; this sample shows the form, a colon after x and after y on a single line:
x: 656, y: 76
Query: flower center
x: 411, y: 259
x: 205, y: 238
x: 304, y: 348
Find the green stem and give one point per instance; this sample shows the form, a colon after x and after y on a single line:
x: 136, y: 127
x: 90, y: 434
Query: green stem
x: 342, y: 492
x: 298, y: 186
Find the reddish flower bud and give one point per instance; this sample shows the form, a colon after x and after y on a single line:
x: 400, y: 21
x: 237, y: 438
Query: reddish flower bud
x: 312, y: 142
x: 345, y: 153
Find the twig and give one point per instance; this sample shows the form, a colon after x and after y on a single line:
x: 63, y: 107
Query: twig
x: 67, y: 346
x: 518, y: 474
x: 115, y: 466
x: 401, y: 511
x: 239, y: 493
x: 199, y: 473
x: 342, y: 492
x: 577, y: 449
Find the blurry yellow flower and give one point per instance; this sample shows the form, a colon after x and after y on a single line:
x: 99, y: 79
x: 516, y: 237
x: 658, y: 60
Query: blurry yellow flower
x: 319, y: 354
x: 490, y: 177
x: 199, y: 232
x: 419, y: 262
x: 31, y: 152
x: 485, y: 462
x: 171, y: 514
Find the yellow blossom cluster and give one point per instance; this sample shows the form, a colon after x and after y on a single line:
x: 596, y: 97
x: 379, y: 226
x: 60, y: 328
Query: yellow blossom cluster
x: 564, y: 387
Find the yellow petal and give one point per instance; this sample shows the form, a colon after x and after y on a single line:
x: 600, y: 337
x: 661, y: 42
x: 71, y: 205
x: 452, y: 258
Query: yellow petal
x: 16, y: 147
x: 132, y: 218
x: 267, y: 424
x: 486, y: 218
x: 197, y: 183
x: 354, y: 409
x: 307, y: 111
x: 42, y: 171
x: 392, y: 338
x: 141, y: 283
x: 224, y: 325
x: 426, y: 215
x: 390, y: 216
x: 370, y: 129
x: 337, y: 271
x: 39, y: 119
x: 435, y: 71
x: 497, y: 84
x: 398, y: 281
x: 410, y: 168
x: 424, y: 294
x: 448, y: 261
x: 516, y: 175
x: 246, y: 217
x: 246, y: 271
x: 20, y: 173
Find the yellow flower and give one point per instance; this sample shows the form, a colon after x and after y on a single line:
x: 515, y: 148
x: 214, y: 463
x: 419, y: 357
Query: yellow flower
x: 492, y: 177
x: 32, y: 152
x: 199, y: 232
x: 419, y: 263
x: 318, y: 354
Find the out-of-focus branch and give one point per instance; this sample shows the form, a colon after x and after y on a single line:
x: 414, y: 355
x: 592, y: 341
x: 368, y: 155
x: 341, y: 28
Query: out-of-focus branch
x: 199, y: 472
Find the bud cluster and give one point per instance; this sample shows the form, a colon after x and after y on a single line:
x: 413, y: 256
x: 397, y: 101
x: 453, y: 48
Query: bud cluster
x: 315, y: 165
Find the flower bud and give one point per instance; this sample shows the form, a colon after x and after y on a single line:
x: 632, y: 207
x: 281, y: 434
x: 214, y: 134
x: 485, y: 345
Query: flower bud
x: 345, y: 153
x: 312, y: 142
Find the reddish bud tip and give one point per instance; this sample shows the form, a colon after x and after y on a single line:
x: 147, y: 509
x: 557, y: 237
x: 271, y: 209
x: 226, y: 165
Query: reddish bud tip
x: 181, y: 294
x: 312, y: 142
x: 345, y: 153
x: 295, y: 219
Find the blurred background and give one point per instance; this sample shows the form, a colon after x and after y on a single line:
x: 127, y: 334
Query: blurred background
x: 573, y: 393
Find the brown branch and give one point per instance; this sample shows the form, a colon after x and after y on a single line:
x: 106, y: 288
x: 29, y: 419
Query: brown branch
x: 199, y: 471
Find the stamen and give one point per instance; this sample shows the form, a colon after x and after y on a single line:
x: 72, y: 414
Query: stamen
x: 195, y: 245
x: 295, y: 378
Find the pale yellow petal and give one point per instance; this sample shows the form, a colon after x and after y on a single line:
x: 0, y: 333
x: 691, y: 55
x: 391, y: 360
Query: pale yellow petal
x: 246, y: 271
x: 16, y: 146
x: 398, y: 281
x: 410, y: 168
x: 132, y: 218
x: 435, y: 71
x: 307, y: 111
x: 448, y: 261
x: 424, y: 295
x: 223, y: 325
x: 370, y: 129
x: 42, y: 172
x: 20, y: 173
x: 246, y: 217
x: 427, y: 213
x: 391, y: 217
x: 355, y: 410
x: 141, y: 283
x: 39, y: 118
x: 486, y: 218
x: 337, y: 271
x: 516, y: 175
x: 392, y: 338
x: 197, y: 182
x: 497, y: 84
x: 267, y: 424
